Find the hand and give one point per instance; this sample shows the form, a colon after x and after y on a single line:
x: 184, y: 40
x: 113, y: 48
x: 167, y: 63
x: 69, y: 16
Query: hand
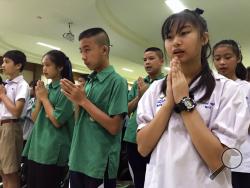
x: 169, y: 91
x: 2, y: 91
x: 74, y: 93
x: 142, y: 87
x: 179, y: 82
x: 41, y: 91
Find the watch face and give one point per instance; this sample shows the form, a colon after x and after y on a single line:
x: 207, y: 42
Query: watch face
x: 188, y: 103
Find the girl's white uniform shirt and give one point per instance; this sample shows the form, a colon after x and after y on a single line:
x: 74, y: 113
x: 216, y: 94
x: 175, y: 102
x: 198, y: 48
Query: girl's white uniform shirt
x: 174, y: 162
x: 245, y: 147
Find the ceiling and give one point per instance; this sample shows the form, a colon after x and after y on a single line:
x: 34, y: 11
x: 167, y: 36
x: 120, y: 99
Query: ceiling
x: 132, y: 25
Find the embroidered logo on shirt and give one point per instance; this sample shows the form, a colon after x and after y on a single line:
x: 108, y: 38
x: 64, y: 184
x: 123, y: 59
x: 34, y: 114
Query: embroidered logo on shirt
x: 160, y: 101
x: 209, y: 105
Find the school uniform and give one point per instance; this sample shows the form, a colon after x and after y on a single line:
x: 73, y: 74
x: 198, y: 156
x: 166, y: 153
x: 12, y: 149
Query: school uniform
x: 175, y: 163
x: 93, y: 148
x: 47, y: 148
x: 241, y: 175
x: 137, y: 162
x: 11, y: 141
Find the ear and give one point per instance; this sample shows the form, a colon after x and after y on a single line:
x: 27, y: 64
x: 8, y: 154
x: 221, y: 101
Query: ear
x: 18, y: 66
x: 162, y: 61
x: 238, y: 60
x: 60, y: 68
x: 205, y: 38
x: 105, y: 50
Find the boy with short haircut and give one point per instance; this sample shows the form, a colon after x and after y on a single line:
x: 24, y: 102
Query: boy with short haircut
x: 96, y: 142
x: 14, y: 98
x: 153, y: 61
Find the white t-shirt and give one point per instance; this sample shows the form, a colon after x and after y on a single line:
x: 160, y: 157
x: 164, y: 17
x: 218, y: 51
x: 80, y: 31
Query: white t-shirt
x: 16, y: 89
x: 174, y: 162
x: 245, y: 147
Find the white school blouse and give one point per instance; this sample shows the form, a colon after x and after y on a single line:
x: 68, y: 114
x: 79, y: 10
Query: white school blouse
x: 16, y: 89
x: 245, y: 147
x: 174, y: 162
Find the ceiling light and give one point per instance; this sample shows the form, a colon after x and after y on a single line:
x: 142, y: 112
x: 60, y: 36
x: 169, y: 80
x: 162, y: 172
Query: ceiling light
x: 175, y: 5
x: 128, y: 70
x: 69, y: 35
x: 48, y: 46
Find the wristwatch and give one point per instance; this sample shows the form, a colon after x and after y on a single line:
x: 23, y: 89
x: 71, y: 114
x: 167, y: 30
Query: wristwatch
x: 186, y: 104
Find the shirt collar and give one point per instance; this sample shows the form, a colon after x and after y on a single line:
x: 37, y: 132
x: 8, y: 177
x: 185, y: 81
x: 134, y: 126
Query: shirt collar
x: 100, y: 76
x: 15, y: 80
x: 54, y: 84
x: 147, y: 79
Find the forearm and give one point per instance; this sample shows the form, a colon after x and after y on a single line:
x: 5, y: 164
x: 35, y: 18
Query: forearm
x: 49, y: 111
x: 12, y: 108
x: 132, y: 105
x: 148, y: 136
x: 207, y: 145
x: 36, y: 110
x: 111, y: 124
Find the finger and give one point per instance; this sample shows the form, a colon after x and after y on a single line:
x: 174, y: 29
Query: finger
x: 68, y: 95
x: 67, y: 85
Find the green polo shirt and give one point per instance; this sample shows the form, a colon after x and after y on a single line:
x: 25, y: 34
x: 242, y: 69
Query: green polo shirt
x: 93, y: 147
x: 130, y: 133
x: 48, y: 144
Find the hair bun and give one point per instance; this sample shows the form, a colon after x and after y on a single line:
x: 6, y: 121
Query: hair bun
x: 199, y: 11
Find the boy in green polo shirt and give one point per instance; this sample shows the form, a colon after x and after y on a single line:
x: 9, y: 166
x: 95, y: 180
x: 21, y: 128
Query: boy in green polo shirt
x: 153, y: 61
x: 95, y: 148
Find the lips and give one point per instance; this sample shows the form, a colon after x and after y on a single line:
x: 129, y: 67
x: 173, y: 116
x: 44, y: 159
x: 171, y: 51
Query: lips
x: 148, y: 68
x: 178, y: 52
x: 222, y: 69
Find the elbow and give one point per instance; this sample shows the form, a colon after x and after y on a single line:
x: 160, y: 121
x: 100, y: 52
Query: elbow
x: 215, y: 164
x: 17, y: 114
x: 114, y: 130
x: 142, y: 151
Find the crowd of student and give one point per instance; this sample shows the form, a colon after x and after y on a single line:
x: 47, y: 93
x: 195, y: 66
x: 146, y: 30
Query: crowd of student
x: 179, y: 124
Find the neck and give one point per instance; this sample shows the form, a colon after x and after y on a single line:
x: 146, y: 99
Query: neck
x: 191, y: 70
x: 233, y: 77
x: 14, y: 75
x: 154, y: 76
x: 102, y: 66
x: 55, y: 79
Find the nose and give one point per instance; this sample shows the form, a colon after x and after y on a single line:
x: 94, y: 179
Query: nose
x: 44, y: 69
x: 176, y: 41
x: 222, y: 61
x: 147, y: 61
x: 84, y: 57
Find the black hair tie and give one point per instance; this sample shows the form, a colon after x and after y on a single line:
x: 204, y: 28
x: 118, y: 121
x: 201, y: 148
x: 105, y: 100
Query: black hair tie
x: 199, y: 11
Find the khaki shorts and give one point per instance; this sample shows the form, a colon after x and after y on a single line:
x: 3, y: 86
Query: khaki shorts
x: 11, y: 145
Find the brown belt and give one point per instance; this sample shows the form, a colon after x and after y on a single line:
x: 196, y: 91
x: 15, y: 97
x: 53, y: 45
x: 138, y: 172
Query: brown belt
x: 8, y: 121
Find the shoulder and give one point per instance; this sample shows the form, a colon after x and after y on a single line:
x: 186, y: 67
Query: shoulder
x: 117, y: 78
x: 23, y: 83
x: 223, y: 82
x: 157, y: 84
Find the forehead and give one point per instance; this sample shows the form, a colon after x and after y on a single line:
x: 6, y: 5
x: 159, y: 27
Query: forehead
x: 46, y: 59
x: 87, y: 42
x: 150, y: 53
x: 7, y: 59
x: 178, y: 26
x: 222, y: 49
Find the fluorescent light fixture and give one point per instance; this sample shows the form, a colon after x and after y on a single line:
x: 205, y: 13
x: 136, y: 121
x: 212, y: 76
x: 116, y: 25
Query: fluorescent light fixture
x: 128, y: 70
x: 175, y: 5
x: 48, y: 46
x: 167, y: 68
